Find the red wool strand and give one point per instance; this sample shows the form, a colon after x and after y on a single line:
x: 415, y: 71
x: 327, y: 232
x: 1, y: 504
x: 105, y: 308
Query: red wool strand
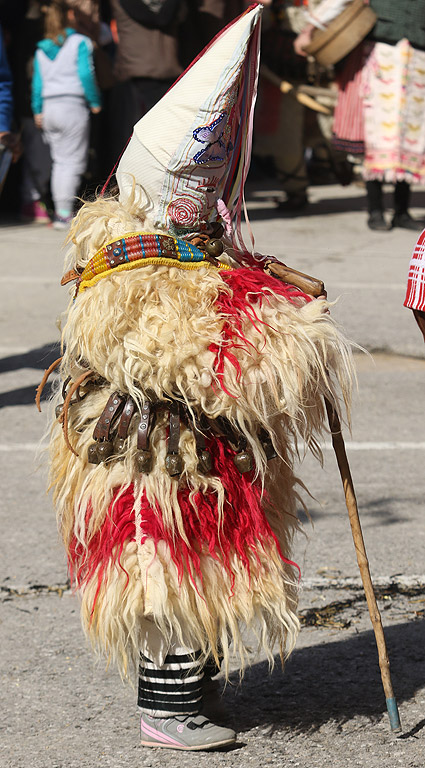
x: 249, y: 288
x: 244, y: 527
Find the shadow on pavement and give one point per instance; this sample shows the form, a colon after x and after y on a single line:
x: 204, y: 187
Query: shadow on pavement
x: 320, y: 208
x: 24, y: 396
x: 324, y: 206
x: 40, y: 359
x: 334, y: 681
x: 384, y: 510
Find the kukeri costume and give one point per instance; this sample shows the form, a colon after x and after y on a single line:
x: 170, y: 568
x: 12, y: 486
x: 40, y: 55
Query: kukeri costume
x: 189, y: 374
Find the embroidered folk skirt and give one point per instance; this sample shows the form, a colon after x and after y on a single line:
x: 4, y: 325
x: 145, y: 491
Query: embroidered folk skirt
x: 381, y: 110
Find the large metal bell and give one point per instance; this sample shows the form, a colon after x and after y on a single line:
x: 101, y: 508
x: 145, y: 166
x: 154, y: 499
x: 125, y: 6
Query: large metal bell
x: 214, y: 248
x: 119, y: 445
x: 92, y: 454
x: 243, y: 461
x: 204, y: 462
x: 105, y: 450
x: 144, y: 462
x: 59, y: 411
x: 174, y: 464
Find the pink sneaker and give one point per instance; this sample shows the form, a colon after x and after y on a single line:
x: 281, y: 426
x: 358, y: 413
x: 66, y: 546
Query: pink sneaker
x: 34, y: 212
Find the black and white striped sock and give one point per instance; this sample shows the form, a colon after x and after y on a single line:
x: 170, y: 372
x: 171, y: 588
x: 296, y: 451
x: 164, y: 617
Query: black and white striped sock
x: 175, y: 688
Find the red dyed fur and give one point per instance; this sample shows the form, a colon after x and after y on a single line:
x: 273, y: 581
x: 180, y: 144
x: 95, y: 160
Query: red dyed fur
x: 250, y: 288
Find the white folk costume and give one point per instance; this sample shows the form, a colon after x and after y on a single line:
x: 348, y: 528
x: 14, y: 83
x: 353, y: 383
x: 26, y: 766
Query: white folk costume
x: 186, y: 370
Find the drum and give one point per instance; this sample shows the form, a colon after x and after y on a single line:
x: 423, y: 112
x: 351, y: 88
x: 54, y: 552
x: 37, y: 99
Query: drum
x: 342, y: 34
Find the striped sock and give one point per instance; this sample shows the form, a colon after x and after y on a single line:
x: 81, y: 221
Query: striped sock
x: 175, y: 688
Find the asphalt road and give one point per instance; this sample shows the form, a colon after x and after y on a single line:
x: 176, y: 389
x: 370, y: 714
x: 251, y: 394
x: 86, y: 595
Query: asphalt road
x: 327, y: 710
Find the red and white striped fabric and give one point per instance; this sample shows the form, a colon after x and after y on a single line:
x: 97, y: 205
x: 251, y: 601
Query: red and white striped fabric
x: 349, y: 113
x: 415, y: 294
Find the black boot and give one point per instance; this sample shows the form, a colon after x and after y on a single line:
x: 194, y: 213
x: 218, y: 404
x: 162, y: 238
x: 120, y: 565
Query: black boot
x: 375, y: 207
x: 377, y: 221
x: 402, y: 217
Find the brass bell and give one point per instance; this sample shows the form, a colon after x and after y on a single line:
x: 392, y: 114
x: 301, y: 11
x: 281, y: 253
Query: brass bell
x: 173, y: 464
x: 243, y: 462
x: 92, y: 454
x: 204, y: 462
x: 119, y: 445
x: 105, y: 450
x: 59, y: 411
x: 144, y: 462
x: 214, y: 248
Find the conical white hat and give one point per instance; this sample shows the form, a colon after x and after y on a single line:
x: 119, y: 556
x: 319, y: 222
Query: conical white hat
x: 193, y: 147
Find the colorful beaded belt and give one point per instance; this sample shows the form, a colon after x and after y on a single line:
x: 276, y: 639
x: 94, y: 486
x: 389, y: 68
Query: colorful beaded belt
x: 138, y: 249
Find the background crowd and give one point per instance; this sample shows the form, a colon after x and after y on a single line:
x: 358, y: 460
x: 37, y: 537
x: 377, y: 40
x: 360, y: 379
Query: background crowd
x: 101, y: 64
x: 133, y: 53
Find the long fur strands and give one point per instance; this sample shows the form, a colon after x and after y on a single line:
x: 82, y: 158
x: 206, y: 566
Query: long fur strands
x: 205, y: 556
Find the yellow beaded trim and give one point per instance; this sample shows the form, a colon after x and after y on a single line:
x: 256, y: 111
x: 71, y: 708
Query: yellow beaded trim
x: 157, y: 261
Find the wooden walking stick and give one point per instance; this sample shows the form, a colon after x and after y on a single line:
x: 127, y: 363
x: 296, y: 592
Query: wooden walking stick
x: 316, y: 288
x: 353, y: 514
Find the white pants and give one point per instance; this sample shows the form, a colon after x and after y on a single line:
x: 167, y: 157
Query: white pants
x: 66, y: 129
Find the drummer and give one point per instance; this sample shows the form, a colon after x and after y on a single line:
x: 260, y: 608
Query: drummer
x: 381, y: 107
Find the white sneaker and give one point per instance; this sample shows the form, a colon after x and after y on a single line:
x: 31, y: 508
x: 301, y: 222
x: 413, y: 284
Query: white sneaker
x: 189, y: 732
x: 59, y: 222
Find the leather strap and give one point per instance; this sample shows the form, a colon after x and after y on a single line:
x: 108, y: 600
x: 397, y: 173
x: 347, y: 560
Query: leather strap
x: 195, y: 428
x: 68, y: 277
x: 226, y: 429
x: 242, y: 443
x: 126, y: 416
x: 47, y: 372
x: 112, y: 408
x: 201, y: 241
x: 65, y: 387
x: 143, y: 429
x: 174, y: 433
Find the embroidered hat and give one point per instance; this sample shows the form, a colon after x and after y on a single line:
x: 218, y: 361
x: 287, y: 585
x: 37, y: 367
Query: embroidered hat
x: 191, y: 151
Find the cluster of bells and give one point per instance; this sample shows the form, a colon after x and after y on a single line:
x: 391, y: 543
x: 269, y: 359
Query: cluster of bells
x: 99, y: 452
x: 111, y: 434
x: 102, y: 451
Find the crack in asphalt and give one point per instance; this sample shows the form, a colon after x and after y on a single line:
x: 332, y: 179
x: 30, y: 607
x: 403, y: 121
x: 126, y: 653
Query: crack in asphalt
x: 34, y: 589
x: 326, y: 616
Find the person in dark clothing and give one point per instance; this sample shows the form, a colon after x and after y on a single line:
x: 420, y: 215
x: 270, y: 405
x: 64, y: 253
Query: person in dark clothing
x: 153, y: 50
x: 9, y: 141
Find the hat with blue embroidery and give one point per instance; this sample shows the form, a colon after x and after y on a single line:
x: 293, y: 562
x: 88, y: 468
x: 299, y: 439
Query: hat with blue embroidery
x: 188, y: 157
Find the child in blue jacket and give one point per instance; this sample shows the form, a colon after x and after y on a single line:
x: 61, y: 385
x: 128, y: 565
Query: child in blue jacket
x: 64, y: 91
